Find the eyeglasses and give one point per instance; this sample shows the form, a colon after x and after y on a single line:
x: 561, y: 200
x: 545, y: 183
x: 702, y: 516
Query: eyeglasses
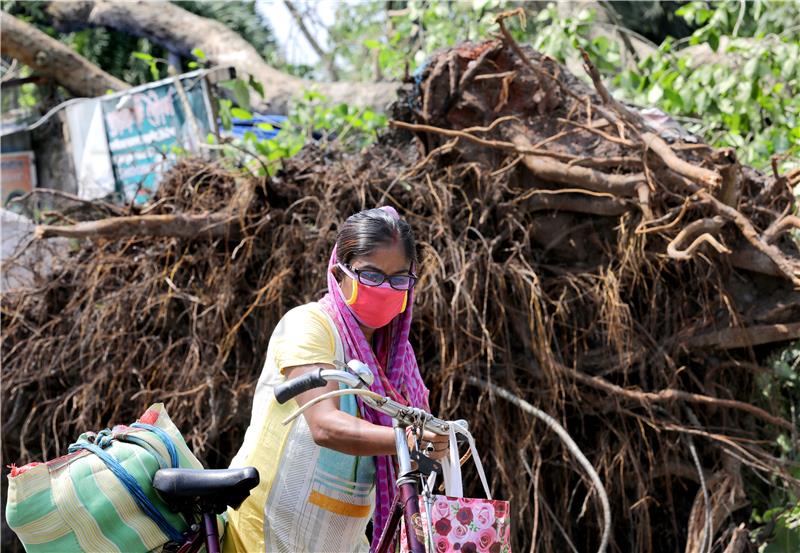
x: 376, y: 278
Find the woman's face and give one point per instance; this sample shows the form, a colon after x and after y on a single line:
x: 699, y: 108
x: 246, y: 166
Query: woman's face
x: 389, y: 260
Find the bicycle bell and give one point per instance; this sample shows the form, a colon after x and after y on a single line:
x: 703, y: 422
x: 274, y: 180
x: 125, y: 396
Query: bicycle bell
x: 362, y: 371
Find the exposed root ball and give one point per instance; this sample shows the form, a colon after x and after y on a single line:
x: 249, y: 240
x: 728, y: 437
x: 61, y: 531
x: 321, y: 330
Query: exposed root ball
x: 626, y: 286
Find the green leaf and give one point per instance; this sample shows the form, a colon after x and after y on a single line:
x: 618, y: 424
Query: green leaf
x: 713, y: 41
x: 372, y: 44
x: 250, y: 136
x: 257, y: 86
x: 192, y: 65
x: 225, y: 113
x: 265, y: 126
x: 674, y: 98
x: 198, y: 53
x: 788, y: 69
x: 154, y: 71
x: 144, y: 57
x: 242, y: 93
x: 240, y: 113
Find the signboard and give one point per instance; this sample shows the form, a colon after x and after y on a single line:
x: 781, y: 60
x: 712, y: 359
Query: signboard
x: 17, y: 174
x: 147, y: 128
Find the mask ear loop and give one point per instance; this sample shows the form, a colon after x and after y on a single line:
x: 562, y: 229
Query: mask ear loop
x: 405, y: 298
x: 354, y: 294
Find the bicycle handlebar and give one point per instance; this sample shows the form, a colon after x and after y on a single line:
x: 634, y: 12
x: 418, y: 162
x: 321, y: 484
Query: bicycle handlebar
x: 296, y: 386
x: 405, y: 415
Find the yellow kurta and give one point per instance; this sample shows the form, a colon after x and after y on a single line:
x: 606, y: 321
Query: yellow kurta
x: 310, y: 498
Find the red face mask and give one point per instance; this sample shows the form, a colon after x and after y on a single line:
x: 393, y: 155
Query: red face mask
x: 375, y: 306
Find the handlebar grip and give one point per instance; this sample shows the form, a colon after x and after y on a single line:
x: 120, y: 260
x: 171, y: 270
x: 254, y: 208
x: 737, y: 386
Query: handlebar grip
x: 295, y: 386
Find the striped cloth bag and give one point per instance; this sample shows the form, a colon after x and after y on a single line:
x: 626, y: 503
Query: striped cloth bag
x: 100, y: 496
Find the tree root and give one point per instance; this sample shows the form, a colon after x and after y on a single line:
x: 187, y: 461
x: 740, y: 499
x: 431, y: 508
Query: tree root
x: 584, y: 177
x: 670, y: 395
x: 569, y: 443
x: 605, y: 207
x: 731, y: 338
x: 790, y: 269
x: 203, y: 226
x: 704, y: 226
x: 705, y: 177
x: 779, y: 226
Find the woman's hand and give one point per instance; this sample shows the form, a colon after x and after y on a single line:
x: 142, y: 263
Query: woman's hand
x: 433, y: 445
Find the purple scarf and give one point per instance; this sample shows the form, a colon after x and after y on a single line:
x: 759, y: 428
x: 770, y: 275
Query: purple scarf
x: 401, y: 374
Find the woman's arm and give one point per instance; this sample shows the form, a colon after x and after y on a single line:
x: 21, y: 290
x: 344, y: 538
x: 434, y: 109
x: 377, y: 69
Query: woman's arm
x: 332, y: 428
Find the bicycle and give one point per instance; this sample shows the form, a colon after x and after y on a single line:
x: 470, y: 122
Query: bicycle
x: 415, y: 469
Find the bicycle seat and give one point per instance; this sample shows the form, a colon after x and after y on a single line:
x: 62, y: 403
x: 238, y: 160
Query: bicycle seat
x: 212, y: 489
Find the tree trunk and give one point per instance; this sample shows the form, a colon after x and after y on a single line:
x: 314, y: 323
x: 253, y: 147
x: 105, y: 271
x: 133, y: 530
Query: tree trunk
x: 180, y: 31
x: 52, y: 59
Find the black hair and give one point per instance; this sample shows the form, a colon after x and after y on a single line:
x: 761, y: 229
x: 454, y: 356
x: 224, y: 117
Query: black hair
x: 362, y: 233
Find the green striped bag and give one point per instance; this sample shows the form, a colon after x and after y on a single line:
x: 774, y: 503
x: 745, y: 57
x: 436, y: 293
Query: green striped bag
x: 79, y: 502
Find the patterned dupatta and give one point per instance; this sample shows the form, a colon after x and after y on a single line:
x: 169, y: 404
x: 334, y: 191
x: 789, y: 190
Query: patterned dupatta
x: 398, y: 379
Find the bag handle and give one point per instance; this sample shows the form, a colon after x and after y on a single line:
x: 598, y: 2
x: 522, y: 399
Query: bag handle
x: 452, y: 468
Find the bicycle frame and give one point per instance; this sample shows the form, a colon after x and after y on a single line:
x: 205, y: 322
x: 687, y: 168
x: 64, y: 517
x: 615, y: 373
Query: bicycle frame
x: 205, y: 533
x: 406, y: 502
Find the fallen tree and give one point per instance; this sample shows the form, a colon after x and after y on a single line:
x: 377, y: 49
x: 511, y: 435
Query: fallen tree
x: 49, y: 58
x: 181, y: 31
x: 569, y: 254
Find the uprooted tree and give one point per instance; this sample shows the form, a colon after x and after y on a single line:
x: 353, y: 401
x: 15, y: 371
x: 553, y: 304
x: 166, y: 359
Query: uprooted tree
x: 628, y: 286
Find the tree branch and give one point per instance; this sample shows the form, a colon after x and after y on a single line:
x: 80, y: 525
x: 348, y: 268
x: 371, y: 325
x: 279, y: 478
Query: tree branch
x: 324, y: 56
x: 52, y: 59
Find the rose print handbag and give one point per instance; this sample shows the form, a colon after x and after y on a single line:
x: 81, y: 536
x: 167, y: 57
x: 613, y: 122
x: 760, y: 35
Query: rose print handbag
x: 455, y: 523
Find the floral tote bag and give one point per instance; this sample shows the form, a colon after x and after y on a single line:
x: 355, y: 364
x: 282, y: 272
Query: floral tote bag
x: 459, y: 524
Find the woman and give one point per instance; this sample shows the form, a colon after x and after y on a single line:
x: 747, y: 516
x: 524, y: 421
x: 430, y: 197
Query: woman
x: 326, y: 474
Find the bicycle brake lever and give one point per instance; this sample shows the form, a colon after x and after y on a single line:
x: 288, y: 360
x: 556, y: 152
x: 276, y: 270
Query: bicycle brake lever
x: 357, y: 368
x: 425, y: 465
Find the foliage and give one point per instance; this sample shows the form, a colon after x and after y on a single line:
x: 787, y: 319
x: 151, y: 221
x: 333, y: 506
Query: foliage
x: 399, y: 39
x: 780, y: 519
x: 311, y: 118
x: 745, y: 93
